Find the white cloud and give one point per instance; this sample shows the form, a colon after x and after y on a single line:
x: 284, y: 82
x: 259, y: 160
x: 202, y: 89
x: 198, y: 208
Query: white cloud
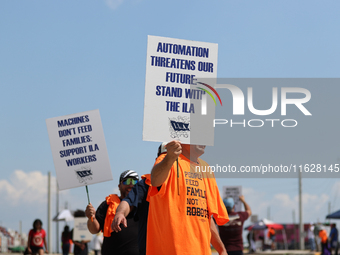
x: 26, y: 188
x: 282, y: 205
x: 114, y: 4
x: 116, y: 191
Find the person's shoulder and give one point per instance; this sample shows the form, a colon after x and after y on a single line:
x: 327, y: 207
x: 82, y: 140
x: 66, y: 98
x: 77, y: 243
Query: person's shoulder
x: 243, y: 215
x: 160, y: 158
x: 103, y: 204
x: 102, y: 207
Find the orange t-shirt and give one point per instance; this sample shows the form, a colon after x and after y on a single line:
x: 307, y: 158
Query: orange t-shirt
x: 323, y: 236
x: 271, y: 232
x: 180, y: 223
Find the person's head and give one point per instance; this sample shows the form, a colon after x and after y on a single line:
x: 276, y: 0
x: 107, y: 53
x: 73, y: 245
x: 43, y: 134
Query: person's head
x: 127, y: 180
x: 37, y: 224
x: 66, y: 228
x: 161, y: 149
x: 229, y: 204
x: 79, y: 213
x: 333, y: 225
x: 193, y: 152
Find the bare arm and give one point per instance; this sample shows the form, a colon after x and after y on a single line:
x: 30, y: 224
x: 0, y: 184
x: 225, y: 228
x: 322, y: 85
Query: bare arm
x: 160, y: 172
x: 216, y: 240
x: 46, y: 250
x: 93, y: 226
x: 29, y: 244
x: 246, y: 206
x: 122, y: 211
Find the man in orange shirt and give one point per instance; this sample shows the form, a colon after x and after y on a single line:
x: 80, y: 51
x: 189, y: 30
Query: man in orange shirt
x: 182, y: 201
x: 325, y: 247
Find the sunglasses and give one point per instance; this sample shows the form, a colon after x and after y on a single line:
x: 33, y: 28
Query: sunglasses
x: 130, y: 181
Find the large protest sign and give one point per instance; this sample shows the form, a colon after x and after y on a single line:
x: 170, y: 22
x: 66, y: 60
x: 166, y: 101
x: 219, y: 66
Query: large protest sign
x: 173, y: 97
x: 79, y: 149
x: 234, y: 192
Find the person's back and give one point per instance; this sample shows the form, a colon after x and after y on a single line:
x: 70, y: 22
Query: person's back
x: 66, y: 240
x: 231, y: 233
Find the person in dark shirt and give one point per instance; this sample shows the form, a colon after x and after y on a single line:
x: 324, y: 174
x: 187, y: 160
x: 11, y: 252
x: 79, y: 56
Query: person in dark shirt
x: 333, y: 237
x: 124, y: 242
x: 66, y: 238
x: 231, y: 233
x: 137, y: 204
x: 80, y: 247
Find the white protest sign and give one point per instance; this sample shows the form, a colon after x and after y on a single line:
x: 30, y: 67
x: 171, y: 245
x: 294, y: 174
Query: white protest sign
x: 172, y: 95
x: 79, y: 149
x: 234, y: 192
x: 80, y: 230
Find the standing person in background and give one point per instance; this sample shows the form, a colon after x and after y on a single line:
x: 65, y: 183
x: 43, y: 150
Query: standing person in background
x: 325, y: 247
x: 80, y: 247
x: 231, y: 233
x: 311, y: 237
x: 97, y: 243
x: 271, y: 237
x: 66, y: 240
x: 37, y: 239
x: 333, y: 236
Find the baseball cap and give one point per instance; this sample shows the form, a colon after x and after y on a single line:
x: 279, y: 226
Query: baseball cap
x: 161, y: 149
x: 229, y: 202
x: 128, y: 174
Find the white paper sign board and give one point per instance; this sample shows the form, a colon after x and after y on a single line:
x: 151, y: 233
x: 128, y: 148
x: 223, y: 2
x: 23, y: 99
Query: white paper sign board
x: 234, y: 192
x: 80, y: 231
x: 79, y: 149
x: 171, y: 100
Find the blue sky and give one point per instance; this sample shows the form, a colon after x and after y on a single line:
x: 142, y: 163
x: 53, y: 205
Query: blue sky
x: 65, y: 57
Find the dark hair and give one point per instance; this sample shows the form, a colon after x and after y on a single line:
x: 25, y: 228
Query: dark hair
x: 66, y: 228
x: 35, y: 222
x: 79, y: 213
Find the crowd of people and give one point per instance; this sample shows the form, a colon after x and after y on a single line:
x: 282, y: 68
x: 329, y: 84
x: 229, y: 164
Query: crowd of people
x: 174, y: 209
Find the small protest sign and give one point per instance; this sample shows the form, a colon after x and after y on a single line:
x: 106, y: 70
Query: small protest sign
x: 234, y: 192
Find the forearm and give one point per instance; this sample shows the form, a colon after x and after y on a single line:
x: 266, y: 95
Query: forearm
x: 45, y: 243
x: 123, y: 208
x: 215, y: 239
x: 160, y: 172
x: 93, y: 226
x: 247, y: 207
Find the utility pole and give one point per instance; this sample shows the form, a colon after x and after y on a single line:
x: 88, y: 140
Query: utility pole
x: 57, y: 231
x: 301, y: 232
x: 49, y: 225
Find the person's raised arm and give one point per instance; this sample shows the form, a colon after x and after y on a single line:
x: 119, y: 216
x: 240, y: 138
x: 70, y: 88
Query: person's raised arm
x: 92, y: 225
x: 246, y: 206
x: 160, y: 172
